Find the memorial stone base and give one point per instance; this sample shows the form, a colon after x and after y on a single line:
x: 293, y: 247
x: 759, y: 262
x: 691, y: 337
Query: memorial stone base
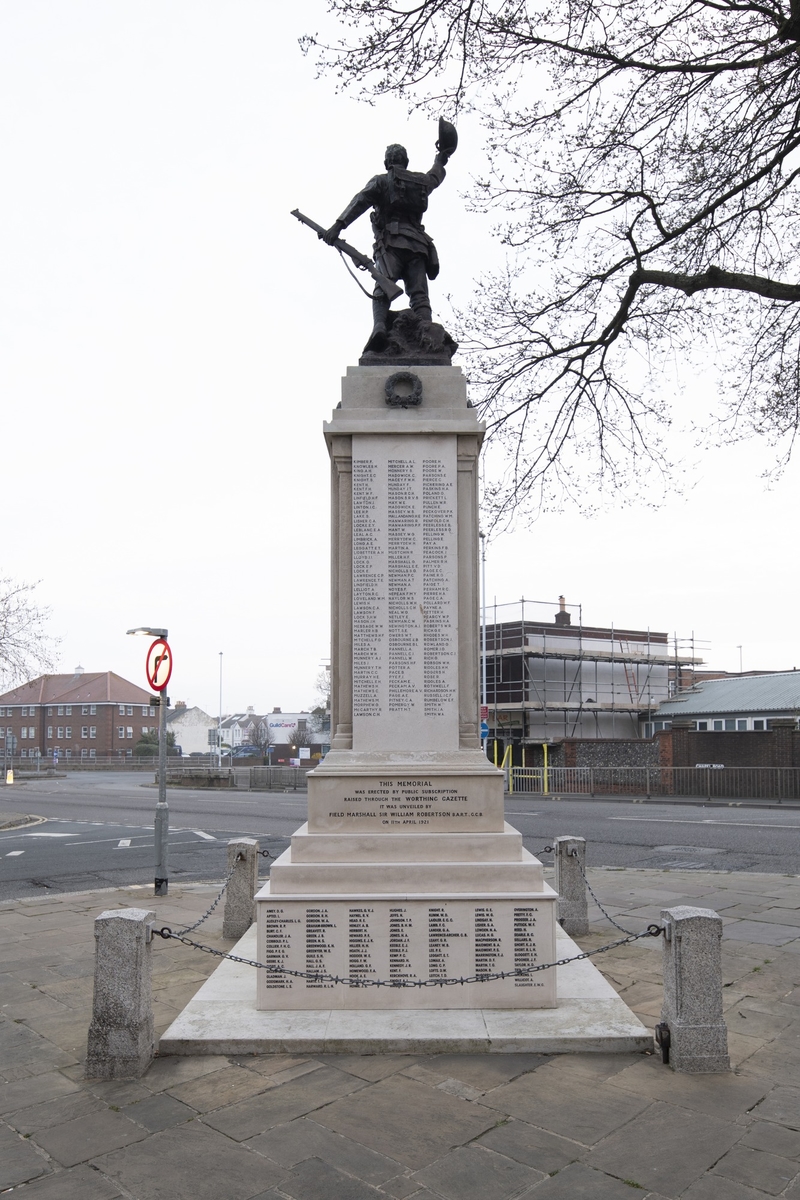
x: 406, y: 870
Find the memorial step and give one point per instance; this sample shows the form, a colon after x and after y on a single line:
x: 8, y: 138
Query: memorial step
x: 411, y: 847
x: 288, y: 877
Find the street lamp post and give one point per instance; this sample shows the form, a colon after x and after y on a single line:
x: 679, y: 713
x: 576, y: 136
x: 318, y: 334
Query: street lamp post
x: 161, y: 824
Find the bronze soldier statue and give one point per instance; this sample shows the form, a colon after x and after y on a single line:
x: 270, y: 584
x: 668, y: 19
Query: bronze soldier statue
x: 402, y: 250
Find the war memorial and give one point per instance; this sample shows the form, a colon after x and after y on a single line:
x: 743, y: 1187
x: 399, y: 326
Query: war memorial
x: 406, y: 913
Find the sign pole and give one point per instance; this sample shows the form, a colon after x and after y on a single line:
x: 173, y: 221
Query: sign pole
x: 162, y: 808
x: 159, y: 670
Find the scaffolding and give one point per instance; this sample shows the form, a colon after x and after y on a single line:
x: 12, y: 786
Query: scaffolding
x: 553, y: 678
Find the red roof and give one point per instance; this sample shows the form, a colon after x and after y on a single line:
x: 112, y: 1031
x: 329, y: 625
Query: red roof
x: 99, y: 687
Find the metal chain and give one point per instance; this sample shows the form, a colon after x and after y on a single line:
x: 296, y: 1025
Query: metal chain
x: 314, y: 977
x: 209, y: 910
x: 544, y: 850
x: 616, y: 924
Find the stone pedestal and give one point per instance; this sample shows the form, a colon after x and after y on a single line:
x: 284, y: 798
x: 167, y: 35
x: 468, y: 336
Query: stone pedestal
x: 406, y: 869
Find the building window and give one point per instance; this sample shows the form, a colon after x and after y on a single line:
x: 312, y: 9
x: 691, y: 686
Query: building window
x: 130, y: 731
x: 145, y: 729
x: 68, y: 711
x: 24, y: 712
x: 61, y: 731
x: 24, y: 731
x: 730, y: 723
x: 49, y: 731
x: 83, y: 752
x: 69, y: 752
x: 50, y: 711
x: 92, y: 710
x: 121, y: 731
x: 129, y: 754
x: 2, y: 712
x: 719, y: 726
x: 84, y: 731
x: 92, y: 734
x: 152, y: 711
x: 130, y: 710
x: 122, y: 710
x: 741, y: 723
x: 84, y: 710
x: 32, y: 732
x: 92, y: 754
x: 23, y: 753
x: 144, y: 710
x: 702, y: 726
x: 758, y: 723
x: 60, y: 710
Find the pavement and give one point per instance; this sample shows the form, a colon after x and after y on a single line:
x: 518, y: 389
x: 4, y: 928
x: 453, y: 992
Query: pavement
x: 433, y: 1127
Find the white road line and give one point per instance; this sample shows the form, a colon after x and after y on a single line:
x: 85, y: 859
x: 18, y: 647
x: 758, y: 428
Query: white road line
x: 208, y: 837
x: 123, y: 843
x: 14, y: 853
x: 59, y: 835
x: 735, y: 824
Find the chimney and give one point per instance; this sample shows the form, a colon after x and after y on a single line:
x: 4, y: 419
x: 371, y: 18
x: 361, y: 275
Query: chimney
x: 180, y: 704
x: 250, y: 708
x: 276, y: 710
x: 562, y: 617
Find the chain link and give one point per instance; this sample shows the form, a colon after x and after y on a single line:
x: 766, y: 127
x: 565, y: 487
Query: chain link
x: 315, y: 977
x: 591, y: 891
x: 209, y: 911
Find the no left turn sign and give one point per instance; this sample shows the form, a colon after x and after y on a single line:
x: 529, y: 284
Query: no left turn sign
x: 159, y: 665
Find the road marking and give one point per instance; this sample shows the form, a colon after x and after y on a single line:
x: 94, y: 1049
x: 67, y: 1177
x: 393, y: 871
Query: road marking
x: 52, y: 835
x: 123, y: 843
x: 208, y: 837
x: 14, y: 853
x: 678, y: 821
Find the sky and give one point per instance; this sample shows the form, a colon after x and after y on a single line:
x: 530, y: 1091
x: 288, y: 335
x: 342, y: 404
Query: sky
x: 171, y: 341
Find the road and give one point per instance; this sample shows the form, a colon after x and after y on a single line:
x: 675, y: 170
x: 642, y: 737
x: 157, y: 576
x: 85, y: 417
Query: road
x: 98, y: 832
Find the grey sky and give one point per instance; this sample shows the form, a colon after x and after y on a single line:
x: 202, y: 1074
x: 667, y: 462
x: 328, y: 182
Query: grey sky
x: 169, y: 330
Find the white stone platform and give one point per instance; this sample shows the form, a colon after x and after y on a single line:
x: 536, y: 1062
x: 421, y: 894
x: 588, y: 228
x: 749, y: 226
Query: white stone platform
x: 223, y: 1019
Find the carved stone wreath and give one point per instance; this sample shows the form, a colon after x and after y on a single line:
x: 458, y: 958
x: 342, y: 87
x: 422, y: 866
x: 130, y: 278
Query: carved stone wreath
x: 403, y: 398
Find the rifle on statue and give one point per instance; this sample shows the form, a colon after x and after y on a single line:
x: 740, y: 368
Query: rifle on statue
x: 390, y: 289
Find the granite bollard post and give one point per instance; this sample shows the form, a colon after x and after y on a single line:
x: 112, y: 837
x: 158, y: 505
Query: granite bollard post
x: 692, y: 1008
x: 570, y: 863
x: 239, y: 898
x: 121, y: 1040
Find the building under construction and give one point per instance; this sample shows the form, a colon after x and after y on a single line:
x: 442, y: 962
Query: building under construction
x: 546, y: 680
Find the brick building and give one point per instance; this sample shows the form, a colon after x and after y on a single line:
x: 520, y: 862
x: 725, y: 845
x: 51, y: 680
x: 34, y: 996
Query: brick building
x: 79, y: 716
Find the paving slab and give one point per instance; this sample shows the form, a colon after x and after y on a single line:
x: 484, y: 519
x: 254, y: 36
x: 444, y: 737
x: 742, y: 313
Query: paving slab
x: 55, y: 1112
x: 84, y: 1138
x: 250, y: 1117
x: 659, y: 1150
x: 713, y: 1188
x: 775, y: 1139
x: 78, y: 1183
x: 159, y: 1112
x: 567, y: 1105
x: 478, y: 1173
x: 191, y: 1162
x: 579, y: 1182
x: 15, y: 1096
x: 317, y: 1180
x: 303, y: 1138
x: 19, y: 1160
x: 782, y: 1105
x: 724, y: 1095
x: 757, y: 1168
x: 407, y: 1121
x: 220, y: 1089
x: 535, y: 1147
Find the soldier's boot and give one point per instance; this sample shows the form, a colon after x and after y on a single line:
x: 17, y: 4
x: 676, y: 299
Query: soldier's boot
x: 378, y: 339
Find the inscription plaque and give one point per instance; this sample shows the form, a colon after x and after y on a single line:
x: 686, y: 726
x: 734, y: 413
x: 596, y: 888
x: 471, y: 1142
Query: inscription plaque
x: 405, y: 601
x: 402, y: 939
